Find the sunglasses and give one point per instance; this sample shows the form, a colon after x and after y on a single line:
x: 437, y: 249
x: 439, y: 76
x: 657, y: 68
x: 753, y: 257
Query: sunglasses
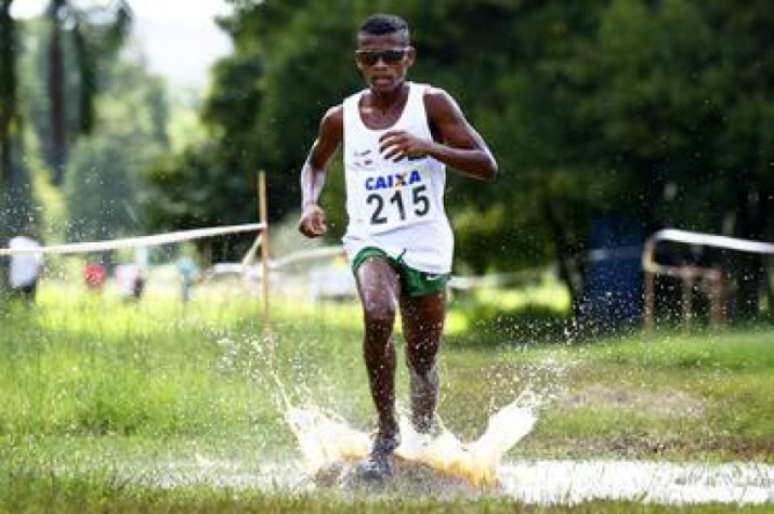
x: 371, y: 57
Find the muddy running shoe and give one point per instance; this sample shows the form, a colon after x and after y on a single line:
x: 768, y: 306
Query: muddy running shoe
x: 378, y: 464
x: 426, y: 425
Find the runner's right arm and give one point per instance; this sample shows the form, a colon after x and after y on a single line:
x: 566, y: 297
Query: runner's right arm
x: 329, y: 137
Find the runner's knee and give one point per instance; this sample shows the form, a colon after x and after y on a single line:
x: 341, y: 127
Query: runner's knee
x: 379, y: 312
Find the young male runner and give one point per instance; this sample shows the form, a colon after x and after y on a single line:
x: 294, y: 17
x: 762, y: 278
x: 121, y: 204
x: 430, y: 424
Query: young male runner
x: 398, y: 137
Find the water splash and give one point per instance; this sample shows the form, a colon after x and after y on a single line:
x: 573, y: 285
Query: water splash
x: 327, y: 442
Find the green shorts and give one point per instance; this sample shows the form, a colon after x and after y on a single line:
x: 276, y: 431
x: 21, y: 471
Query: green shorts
x: 412, y: 282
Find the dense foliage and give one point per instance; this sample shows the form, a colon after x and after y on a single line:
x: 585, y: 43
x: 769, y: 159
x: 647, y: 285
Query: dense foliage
x: 654, y: 113
x: 630, y: 114
x: 52, y: 71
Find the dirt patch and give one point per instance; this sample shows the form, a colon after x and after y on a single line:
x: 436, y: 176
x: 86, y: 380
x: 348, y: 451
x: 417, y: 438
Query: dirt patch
x: 655, y: 403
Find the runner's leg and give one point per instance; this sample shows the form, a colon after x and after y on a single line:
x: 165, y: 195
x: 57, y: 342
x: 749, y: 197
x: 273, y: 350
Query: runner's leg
x: 423, y: 319
x: 379, y: 289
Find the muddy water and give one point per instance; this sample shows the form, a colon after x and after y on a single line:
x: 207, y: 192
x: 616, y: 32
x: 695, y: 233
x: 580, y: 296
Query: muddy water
x: 444, y: 466
x: 652, y: 482
x: 326, y: 441
x: 535, y: 482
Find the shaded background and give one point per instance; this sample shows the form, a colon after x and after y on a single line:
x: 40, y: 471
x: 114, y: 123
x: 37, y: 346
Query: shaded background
x: 609, y: 119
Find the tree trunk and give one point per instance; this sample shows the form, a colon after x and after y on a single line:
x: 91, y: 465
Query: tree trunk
x: 749, y: 270
x: 569, y: 270
x: 56, y: 94
x: 7, y: 115
x: 7, y: 87
x: 770, y: 288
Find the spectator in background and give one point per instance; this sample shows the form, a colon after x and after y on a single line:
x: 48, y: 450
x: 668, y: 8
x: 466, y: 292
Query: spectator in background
x: 131, y: 276
x: 25, y: 267
x: 95, y: 274
x: 129, y: 281
x: 189, y: 273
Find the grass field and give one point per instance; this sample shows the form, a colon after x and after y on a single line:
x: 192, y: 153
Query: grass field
x: 100, y: 398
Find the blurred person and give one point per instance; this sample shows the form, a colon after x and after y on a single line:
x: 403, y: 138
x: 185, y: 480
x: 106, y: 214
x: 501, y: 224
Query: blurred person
x: 131, y: 281
x: 189, y: 273
x: 141, y: 260
x: 94, y: 275
x: 25, y: 267
x: 398, y: 138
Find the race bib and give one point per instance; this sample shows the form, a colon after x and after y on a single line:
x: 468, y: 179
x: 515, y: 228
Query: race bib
x: 397, y: 199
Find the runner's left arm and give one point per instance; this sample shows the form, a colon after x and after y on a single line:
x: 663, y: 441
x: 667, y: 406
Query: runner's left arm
x: 459, y: 145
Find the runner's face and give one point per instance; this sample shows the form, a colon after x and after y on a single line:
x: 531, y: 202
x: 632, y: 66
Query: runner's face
x: 384, y: 74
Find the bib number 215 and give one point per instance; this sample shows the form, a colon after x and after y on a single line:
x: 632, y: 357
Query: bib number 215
x: 387, y: 206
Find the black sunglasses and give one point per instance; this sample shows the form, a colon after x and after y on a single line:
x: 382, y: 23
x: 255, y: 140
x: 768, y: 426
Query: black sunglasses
x: 371, y: 57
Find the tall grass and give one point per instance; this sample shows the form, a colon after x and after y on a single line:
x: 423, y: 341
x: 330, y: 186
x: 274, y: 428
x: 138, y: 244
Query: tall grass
x: 89, y: 384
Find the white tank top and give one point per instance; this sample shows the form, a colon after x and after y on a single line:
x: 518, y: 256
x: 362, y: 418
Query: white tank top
x: 395, y: 206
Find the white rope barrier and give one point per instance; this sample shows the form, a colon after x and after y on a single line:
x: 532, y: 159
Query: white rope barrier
x: 715, y: 241
x: 674, y: 235
x: 132, y: 242
x: 689, y: 274
x: 307, y: 255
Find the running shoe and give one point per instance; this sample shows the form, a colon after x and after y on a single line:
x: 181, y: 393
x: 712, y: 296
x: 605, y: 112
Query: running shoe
x: 378, y: 464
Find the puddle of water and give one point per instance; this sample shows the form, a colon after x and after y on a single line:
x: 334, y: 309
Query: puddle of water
x: 533, y: 482
x: 327, y: 443
x: 445, y: 467
x: 571, y: 482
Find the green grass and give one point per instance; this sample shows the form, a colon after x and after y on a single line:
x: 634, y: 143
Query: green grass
x: 90, y: 385
x: 674, y: 397
x: 107, y: 493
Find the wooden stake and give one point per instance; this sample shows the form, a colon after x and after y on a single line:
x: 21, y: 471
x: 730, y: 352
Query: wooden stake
x: 263, y: 217
x: 687, y: 302
x: 649, y: 301
x: 718, y: 301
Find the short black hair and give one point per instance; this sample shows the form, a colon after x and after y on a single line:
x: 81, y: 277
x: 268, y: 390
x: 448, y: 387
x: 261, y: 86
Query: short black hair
x: 380, y: 24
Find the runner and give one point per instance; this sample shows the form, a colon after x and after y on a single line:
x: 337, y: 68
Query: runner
x: 398, y: 137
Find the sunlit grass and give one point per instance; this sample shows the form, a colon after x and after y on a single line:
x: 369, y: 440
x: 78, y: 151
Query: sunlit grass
x: 91, y: 382
x: 103, y: 491
x: 547, y: 292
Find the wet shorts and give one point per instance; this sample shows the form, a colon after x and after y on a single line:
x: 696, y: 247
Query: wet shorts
x: 412, y: 282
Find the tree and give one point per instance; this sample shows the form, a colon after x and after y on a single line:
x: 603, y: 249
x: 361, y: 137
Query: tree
x: 677, y: 101
x: 656, y: 113
x: 104, y: 181
x: 15, y: 191
x: 92, y: 42
x: 258, y: 116
x: 745, y: 142
x: 7, y: 116
x: 8, y: 100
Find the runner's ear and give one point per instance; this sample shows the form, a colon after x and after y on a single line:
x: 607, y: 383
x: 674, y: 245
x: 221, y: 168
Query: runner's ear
x: 411, y: 56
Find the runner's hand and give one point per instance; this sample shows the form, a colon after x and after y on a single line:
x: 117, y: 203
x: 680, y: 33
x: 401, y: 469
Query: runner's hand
x: 312, y: 223
x: 397, y: 144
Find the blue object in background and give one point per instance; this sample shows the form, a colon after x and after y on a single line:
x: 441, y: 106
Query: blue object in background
x: 613, y: 285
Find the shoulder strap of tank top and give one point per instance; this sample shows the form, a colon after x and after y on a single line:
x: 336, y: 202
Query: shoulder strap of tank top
x: 415, y: 107
x: 351, y: 112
